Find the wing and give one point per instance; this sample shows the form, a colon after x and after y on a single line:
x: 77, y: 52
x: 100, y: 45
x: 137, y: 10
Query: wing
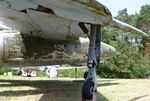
x: 126, y: 27
x: 2, y: 27
x: 89, y: 11
x: 45, y: 17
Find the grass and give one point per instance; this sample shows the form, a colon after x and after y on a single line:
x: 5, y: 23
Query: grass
x: 125, y: 89
x: 15, y: 88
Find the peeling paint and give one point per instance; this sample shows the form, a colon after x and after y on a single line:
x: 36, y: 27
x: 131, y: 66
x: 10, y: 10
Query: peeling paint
x: 34, y: 48
x: 98, y: 9
x: 13, y: 47
x: 12, y: 17
x: 71, y: 37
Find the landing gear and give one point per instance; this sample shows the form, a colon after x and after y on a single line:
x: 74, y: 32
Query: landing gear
x: 87, y: 90
x: 90, y: 84
x: 28, y: 74
x: 85, y: 74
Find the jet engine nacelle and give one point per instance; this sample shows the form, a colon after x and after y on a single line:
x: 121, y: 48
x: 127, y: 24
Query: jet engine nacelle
x: 10, y: 46
x: 19, y: 49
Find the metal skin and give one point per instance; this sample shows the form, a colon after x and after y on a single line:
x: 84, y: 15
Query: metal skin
x: 98, y: 45
x: 58, y: 20
x: 17, y: 50
x: 51, y: 19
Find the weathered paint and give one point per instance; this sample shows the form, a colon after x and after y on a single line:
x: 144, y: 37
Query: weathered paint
x: 13, y: 47
x: 58, y: 25
x: 71, y: 37
x: 50, y: 24
x: 96, y: 7
x: 24, y: 49
x: 16, y: 20
x: 27, y: 23
x: 126, y: 27
x: 73, y: 11
x: 12, y: 17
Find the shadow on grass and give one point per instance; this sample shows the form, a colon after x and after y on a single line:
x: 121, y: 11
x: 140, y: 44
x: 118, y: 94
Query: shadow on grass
x: 52, y: 90
x: 107, y: 84
x: 139, y: 97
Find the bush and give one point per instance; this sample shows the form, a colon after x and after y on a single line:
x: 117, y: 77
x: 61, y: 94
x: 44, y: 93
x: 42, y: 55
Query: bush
x: 137, y: 68
x: 71, y: 73
x: 6, y: 70
x: 141, y: 68
x: 41, y: 74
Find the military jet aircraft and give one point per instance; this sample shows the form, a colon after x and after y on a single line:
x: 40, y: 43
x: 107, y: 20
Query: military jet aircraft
x: 52, y: 31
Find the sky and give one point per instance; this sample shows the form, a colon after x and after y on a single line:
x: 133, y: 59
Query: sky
x: 132, y: 5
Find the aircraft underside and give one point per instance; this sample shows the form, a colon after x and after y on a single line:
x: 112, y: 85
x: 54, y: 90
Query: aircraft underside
x: 20, y: 49
x: 50, y: 30
x: 30, y: 50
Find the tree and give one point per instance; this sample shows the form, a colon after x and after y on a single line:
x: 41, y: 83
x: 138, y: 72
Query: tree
x: 128, y: 62
x: 143, y: 21
x: 122, y: 15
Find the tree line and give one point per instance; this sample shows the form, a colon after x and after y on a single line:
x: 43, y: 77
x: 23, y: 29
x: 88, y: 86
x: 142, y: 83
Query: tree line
x: 130, y: 60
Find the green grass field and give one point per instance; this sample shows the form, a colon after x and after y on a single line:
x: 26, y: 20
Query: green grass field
x: 64, y: 89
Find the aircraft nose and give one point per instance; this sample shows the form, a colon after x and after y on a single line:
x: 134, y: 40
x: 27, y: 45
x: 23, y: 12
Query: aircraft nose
x: 107, y: 51
x: 113, y: 50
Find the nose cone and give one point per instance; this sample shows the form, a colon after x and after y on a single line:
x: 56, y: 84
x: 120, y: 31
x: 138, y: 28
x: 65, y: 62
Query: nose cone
x: 107, y: 51
x: 112, y: 50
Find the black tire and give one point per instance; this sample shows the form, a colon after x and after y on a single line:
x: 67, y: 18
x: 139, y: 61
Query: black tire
x: 87, y: 90
x: 28, y: 75
x: 85, y: 74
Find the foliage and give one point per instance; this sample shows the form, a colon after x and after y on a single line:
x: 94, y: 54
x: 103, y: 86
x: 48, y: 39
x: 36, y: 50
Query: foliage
x: 144, y: 18
x: 6, y: 70
x: 140, y: 68
x: 41, y: 74
x: 72, y: 73
x: 118, y: 67
x: 129, y: 61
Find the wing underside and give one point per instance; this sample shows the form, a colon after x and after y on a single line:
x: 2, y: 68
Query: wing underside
x: 26, y: 16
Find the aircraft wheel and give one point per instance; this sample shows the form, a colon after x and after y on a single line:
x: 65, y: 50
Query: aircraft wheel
x: 28, y: 75
x: 87, y: 90
x: 85, y: 74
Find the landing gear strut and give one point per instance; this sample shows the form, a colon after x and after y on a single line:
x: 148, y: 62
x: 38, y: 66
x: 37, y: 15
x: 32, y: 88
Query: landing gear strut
x: 89, y: 87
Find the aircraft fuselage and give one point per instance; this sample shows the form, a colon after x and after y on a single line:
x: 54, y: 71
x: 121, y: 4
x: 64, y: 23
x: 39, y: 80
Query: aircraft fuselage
x: 22, y: 49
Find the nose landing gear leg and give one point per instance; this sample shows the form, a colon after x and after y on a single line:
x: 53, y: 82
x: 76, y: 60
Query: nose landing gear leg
x: 89, y: 87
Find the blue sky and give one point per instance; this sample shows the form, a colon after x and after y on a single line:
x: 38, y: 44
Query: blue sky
x: 132, y: 5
